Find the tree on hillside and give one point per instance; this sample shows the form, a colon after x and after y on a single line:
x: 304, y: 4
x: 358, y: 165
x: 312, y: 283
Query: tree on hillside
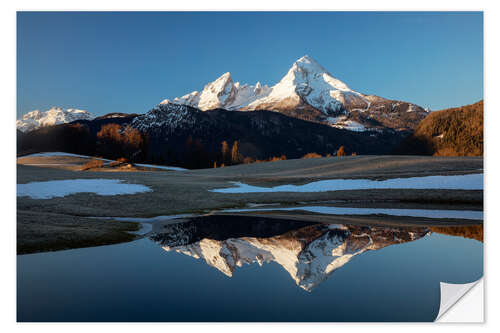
x: 341, y: 151
x: 225, y: 152
x: 109, y: 141
x: 235, y: 153
x: 132, y: 143
x: 132, y: 137
x: 110, y: 132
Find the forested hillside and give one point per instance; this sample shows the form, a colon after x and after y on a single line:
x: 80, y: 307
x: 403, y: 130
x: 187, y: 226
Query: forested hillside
x: 449, y: 132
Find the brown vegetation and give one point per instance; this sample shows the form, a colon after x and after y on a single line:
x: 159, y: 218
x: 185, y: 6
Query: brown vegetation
x: 236, y: 157
x: 271, y: 159
x: 450, y: 132
x: 110, y: 132
x: 45, y: 231
x: 225, y: 152
x: 277, y: 158
x: 471, y: 231
x: 114, y: 141
x: 341, y: 151
x: 312, y: 155
x: 119, y: 161
x: 235, y: 153
x: 94, y: 163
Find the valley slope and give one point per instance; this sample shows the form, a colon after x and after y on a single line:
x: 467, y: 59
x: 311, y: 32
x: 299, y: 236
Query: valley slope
x: 450, y: 132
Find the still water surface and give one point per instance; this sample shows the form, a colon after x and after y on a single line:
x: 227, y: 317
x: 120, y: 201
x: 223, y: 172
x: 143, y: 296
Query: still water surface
x: 248, y: 269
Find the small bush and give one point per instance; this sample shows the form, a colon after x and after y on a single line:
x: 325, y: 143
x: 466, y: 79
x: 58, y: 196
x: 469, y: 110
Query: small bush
x: 94, y: 163
x: 276, y: 158
x: 248, y: 160
x: 119, y: 161
x: 312, y: 155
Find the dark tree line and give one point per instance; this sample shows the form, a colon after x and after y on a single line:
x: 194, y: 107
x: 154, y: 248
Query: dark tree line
x: 112, y: 141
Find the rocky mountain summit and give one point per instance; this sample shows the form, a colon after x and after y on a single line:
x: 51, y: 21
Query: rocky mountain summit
x: 308, y: 91
x: 54, y: 116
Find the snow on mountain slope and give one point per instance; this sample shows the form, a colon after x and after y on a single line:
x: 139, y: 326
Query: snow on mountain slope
x: 54, y: 116
x: 222, y: 93
x: 306, y: 82
x: 167, y: 116
x: 308, y: 91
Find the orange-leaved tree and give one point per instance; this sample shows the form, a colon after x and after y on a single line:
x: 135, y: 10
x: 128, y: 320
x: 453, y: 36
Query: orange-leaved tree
x: 341, y: 151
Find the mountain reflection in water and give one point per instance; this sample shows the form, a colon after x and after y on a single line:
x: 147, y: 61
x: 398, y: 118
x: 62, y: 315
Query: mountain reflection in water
x: 308, y: 251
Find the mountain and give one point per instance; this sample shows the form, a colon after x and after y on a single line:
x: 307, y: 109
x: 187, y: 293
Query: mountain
x: 192, y: 138
x: 78, y: 137
x: 180, y: 135
x: 308, y: 111
x: 450, y: 132
x: 36, y: 119
x: 308, y: 91
x: 309, y: 252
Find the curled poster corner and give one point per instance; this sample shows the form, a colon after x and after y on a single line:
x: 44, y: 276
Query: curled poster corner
x: 451, y: 295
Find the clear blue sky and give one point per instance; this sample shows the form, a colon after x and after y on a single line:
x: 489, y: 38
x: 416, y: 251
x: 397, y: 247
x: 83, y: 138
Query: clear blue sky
x: 128, y: 62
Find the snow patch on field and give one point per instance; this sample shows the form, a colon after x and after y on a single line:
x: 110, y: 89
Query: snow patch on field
x: 61, y: 188
x: 58, y: 153
x: 462, y: 182
x: 163, y: 167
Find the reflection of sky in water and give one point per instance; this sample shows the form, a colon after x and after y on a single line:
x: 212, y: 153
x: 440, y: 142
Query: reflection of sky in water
x: 309, y: 252
x: 462, y: 182
x: 430, y: 213
x: 140, y: 281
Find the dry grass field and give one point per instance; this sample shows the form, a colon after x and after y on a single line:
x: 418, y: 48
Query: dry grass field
x: 176, y: 192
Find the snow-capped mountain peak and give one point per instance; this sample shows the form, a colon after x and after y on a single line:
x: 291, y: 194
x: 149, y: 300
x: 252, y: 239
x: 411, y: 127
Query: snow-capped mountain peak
x: 222, y: 93
x: 53, y: 116
x: 217, y: 93
x: 308, y: 91
x: 314, y: 71
x: 306, y: 82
